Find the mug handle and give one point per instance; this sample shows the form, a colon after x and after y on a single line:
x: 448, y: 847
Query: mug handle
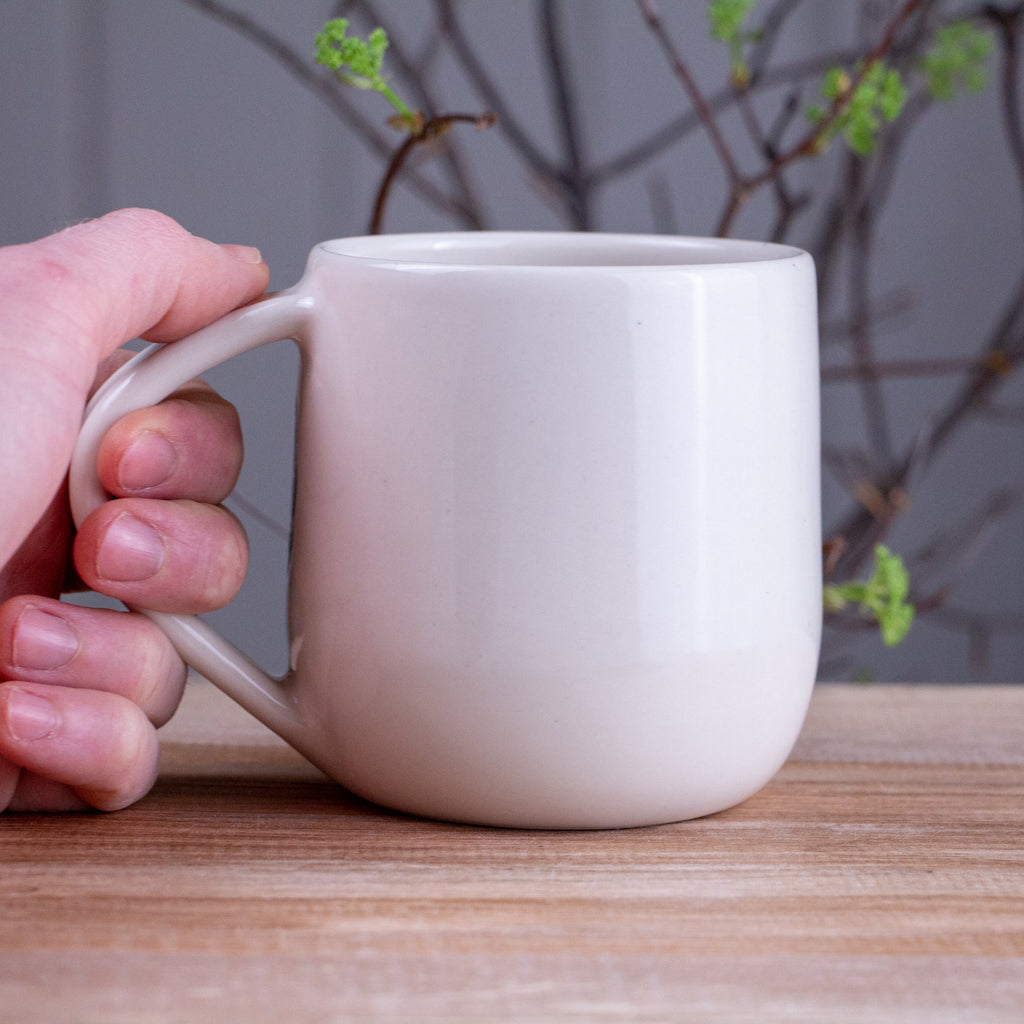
x: 145, y: 380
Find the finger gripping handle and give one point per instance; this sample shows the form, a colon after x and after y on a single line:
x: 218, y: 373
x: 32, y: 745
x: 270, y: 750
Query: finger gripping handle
x: 146, y: 379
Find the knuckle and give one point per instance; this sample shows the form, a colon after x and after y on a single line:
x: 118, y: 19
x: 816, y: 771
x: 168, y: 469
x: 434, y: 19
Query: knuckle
x: 226, y: 569
x: 131, y: 768
x: 159, y: 680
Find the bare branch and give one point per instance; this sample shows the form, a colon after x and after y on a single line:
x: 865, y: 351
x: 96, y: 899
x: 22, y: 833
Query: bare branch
x: 949, y: 555
x: 811, y: 143
x: 413, y: 71
x: 325, y: 89
x: 1008, y: 22
x: 979, y: 628
x: 1001, y: 357
x: 862, y: 347
x: 298, y: 66
x: 703, y: 109
x: 428, y: 132
x: 768, y: 35
x: 917, y: 369
x: 886, y: 308
x: 491, y: 95
x: 574, y: 177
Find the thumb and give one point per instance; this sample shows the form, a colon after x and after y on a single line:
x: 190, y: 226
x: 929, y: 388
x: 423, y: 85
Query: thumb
x: 66, y: 303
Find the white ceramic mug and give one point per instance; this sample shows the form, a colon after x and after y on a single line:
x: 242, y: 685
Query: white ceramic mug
x: 556, y: 539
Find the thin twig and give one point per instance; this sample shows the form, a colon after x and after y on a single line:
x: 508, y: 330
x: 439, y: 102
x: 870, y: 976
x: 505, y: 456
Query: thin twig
x: 703, y: 109
x: 1008, y: 23
x: 786, y: 204
x: 431, y: 129
x: 325, y: 89
x: 1001, y: 356
x: 491, y: 95
x: 298, y: 66
x: 979, y: 628
x: 916, y: 369
x: 414, y: 72
x: 574, y: 178
x: 885, y: 309
x: 677, y: 128
x: 862, y: 346
x: 767, y: 37
x: 811, y: 143
x: 952, y: 553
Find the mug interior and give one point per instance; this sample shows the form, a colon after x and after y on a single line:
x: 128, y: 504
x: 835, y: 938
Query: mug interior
x: 555, y: 249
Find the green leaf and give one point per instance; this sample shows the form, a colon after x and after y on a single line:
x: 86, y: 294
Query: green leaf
x: 358, y: 62
x: 861, y: 133
x: 726, y: 18
x: 835, y: 83
x: 956, y: 58
x: 878, y: 97
x: 883, y: 597
x: 891, y: 94
x: 895, y: 624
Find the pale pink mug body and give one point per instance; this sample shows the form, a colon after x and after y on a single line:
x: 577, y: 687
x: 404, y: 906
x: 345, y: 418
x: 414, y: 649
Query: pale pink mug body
x: 556, y: 539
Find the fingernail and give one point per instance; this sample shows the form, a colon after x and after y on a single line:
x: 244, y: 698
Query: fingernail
x: 29, y: 716
x: 244, y: 253
x: 131, y: 551
x: 42, y: 641
x: 148, y: 462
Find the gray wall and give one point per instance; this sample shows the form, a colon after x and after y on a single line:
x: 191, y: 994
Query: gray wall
x: 110, y: 103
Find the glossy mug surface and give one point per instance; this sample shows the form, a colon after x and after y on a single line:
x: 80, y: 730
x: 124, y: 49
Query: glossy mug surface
x: 556, y: 537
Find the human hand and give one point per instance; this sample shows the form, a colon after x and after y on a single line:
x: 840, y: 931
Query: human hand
x: 82, y: 690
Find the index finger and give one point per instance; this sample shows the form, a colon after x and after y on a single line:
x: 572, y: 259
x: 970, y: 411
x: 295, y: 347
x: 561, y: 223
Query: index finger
x: 67, y: 302
x: 134, y: 273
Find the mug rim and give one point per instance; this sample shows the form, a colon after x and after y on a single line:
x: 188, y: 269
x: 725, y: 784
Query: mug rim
x: 578, y: 250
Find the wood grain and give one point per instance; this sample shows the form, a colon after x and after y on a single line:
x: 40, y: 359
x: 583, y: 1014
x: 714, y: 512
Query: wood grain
x: 879, y: 877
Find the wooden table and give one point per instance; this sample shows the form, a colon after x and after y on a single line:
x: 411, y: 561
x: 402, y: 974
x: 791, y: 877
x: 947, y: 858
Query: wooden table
x: 879, y: 877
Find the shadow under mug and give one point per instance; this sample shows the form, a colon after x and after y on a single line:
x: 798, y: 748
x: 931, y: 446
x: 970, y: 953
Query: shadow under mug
x: 555, y: 553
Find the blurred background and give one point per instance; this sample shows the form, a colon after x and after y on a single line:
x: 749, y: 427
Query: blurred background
x: 614, y: 115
